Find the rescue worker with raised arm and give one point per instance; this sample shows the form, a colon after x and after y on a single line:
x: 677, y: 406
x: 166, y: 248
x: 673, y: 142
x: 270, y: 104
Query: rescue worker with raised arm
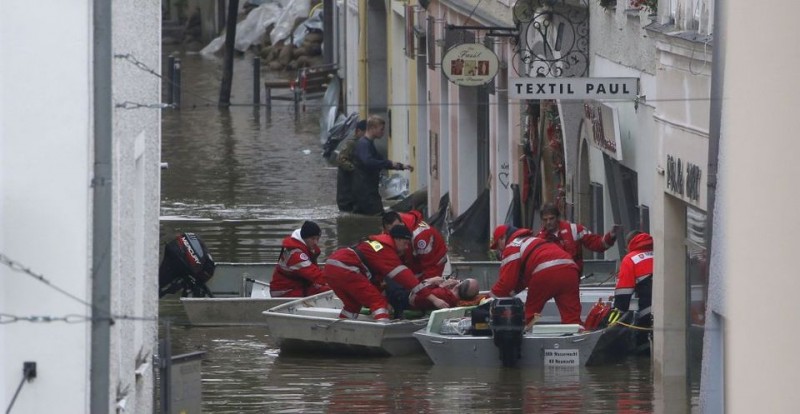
x: 573, y: 237
x: 541, y: 266
x: 427, y: 255
x: 297, y: 273
x: 356, y: 274
x: 636, y: 276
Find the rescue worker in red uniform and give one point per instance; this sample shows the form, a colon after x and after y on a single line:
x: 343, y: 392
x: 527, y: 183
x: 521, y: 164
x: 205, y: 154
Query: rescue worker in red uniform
x: 357, y: 274
x: 297, y: 273
x: 573, y: 237
x: 451, y: 291
x: 636, y: 276
x: 427, y: 256
x: 543, y: 267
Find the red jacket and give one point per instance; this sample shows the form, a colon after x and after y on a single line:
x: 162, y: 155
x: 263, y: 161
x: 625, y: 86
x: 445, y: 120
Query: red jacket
x: 427, y: 255
x: 377, y: 259
x: 573, y: 237
x: 635, y: 269
x: 537, y: 254
x: 297, y: 267
x: 445, y: 294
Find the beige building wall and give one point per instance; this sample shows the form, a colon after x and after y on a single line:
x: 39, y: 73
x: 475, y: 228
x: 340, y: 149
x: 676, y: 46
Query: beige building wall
x: 757, y: 192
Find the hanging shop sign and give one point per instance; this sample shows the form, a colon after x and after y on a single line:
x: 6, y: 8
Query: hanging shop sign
x: 573, y: 88
x: 604, y: 128
x: 470, y: 64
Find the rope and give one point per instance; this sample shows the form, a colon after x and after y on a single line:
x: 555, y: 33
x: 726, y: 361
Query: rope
x: 639, y: 328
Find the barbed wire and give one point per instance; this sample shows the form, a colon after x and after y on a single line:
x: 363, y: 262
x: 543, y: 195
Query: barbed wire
x: 20, y: 268
x: 142, y: 66
x: 136, y: 105
x: 7, y: 318
x: 314, y: 103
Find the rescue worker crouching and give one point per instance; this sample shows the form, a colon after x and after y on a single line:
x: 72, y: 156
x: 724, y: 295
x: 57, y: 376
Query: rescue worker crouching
x: 357, y: 273
x: 542, y: 267
x: 427, y: 255
x: 635, y: 276
x: 297, y: 273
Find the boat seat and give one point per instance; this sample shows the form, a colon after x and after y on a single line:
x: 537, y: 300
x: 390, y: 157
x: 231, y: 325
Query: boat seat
x: 555, y: 329
x: 319, y: 312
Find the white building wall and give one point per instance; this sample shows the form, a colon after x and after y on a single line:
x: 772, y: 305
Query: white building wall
x: 46, y: 168
x: 136, y: 201
x: 45, y: 213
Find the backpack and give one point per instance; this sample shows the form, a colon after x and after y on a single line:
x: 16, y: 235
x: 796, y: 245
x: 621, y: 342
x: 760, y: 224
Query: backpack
x: 345, y: 159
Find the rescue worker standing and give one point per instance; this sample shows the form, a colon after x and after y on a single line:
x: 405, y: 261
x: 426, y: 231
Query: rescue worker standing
x: 345, y: 199
x: 573, y: 237
x: 636, y: 276
x: 297, y: 273
x: 542, y: 267
x: 356, y: 274
x: 427, y: 256
x: 369, y: 163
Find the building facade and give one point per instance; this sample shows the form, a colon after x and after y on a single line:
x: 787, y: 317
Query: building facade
x: 50, y: 216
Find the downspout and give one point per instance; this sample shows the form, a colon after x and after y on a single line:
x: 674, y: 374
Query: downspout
x: 713, y: 382
x: 362, y: 59
x: 99, y: 376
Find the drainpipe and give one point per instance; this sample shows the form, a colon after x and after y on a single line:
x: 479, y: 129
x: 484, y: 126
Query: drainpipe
x: 712, y: 385
x: 362, y: 59
x: 99, y: 376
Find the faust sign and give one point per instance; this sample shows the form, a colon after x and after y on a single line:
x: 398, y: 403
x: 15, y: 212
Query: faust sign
x: 470, y: 64
x: 573, y: 88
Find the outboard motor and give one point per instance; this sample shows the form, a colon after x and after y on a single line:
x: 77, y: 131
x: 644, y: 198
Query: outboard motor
x: 508, y: 323
x: 187, y: 266
x: 480, y: 324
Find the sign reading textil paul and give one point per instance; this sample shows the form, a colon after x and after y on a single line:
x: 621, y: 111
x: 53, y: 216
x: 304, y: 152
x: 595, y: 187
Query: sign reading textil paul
x: 573, y: 88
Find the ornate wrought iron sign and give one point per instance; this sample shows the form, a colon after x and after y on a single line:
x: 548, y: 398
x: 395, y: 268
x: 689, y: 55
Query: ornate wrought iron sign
x: 554, y: 38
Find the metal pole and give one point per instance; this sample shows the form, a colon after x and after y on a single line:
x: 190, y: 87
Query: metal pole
x: 171, y: 79
x: 165, y: 365
x: 257, y: 80
x: 176, y: 83
x: 100, y: 372
x: 227, y: 60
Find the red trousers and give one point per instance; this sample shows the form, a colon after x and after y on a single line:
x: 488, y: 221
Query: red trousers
x: 559, y: 282
x: 355, y: 291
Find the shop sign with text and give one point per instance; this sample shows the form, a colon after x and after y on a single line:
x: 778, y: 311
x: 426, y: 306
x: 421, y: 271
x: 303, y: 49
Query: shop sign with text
x: 573, y: 88
x: 470, y: 64
x: 683, y: 178
x: 604, y: 134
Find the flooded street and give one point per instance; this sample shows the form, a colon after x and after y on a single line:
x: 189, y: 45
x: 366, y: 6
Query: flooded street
x: 243, y: 179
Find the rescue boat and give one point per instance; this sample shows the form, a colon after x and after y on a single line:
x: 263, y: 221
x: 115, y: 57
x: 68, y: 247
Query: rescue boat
x: 241, y: 291
x: 455, y: 337
x: 312, y: 324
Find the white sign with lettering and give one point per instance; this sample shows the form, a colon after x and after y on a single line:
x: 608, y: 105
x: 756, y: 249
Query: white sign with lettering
x: 573, y: 88
x: 470, y: 64
x: 562, y: 357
